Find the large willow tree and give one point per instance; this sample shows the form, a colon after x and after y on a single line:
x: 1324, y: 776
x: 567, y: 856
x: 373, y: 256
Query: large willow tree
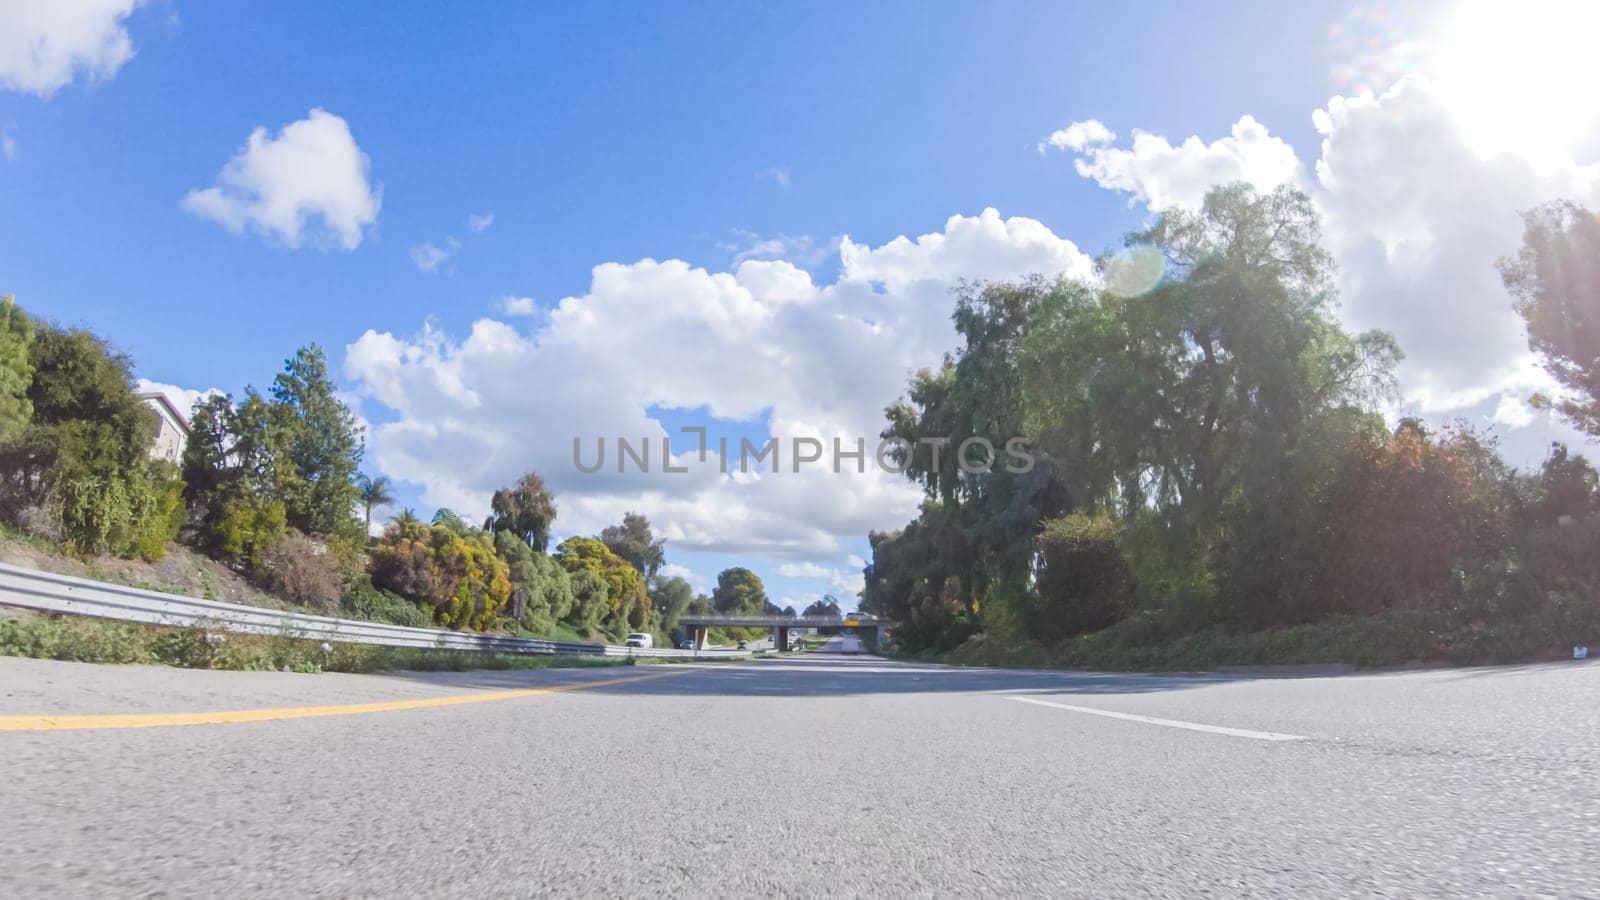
x: 1173, y: 396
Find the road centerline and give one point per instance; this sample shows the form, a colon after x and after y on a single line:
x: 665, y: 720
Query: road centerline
x: 1165, y: 723
x: 228, y: 717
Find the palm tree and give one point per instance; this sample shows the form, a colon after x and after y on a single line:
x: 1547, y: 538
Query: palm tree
x: 447, y: 517
x: 374, y: 493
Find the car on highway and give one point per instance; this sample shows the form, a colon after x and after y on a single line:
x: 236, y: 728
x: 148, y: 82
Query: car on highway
x: 744, y: 645
x: 641, y: 640
x: 686, y: 645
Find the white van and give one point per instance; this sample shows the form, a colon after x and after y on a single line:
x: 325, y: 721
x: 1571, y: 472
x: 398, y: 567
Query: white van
x: 640, y: 639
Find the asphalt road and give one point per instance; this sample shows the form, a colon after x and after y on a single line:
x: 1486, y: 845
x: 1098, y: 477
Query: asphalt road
x: 841, y: 643
x: 809, y: 775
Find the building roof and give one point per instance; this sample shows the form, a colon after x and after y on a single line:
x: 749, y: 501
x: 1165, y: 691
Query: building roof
x: 158, y: 397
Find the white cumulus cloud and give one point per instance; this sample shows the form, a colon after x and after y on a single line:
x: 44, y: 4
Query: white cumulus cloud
x: 46, y: 44
x: 277, y: 186
x: 518, y: 306
x: 1163, y: 176
x: 1415, y: 217
x: 762, y: 343
x: 802, y: 250
x: 428, y: 256
x: 182, y: 398
x: 1079, y: 136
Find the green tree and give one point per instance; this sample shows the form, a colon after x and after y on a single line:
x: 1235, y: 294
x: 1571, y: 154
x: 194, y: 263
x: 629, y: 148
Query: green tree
x: 83, y: 396
x: 1555, y: 281
x: 827, y: 606
x: 590, y: 603
x: 541, y: 590
x: 1173, y: 396
x: 923, y: 577
x: 323, y: 445
x: 84, y: 455
x: 550, y: 593
x: 526, y: 509
x: 633, y: 541
x: 1366, y: 520
x: 1082, y: 580
x: 1190, y: 403
x: 1567, y: 486
x: 16, y: 369
x: 374, y: 492
x: 628, y: 603
x: 235, y: 470
x: 977, y: 395
x: 520, y: 568
x: 739, y: 590
x: 670, y: 596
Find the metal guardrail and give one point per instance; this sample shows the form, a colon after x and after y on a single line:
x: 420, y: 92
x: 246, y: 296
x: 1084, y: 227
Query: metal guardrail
x: 67, y: 595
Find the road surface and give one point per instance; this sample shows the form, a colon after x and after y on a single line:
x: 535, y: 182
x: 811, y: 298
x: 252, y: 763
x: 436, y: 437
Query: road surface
x: 841, y: 643
x: 804, y: 775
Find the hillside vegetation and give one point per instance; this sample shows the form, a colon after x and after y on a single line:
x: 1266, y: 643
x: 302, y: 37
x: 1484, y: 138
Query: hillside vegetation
x: 1213, y: 479
x: 269, y: 507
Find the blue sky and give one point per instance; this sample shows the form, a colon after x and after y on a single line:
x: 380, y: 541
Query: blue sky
x: 601, y: 133
x: 610, y: 135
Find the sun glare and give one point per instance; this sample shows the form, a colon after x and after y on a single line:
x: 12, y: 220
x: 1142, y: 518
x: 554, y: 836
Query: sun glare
x: 1520, y: 76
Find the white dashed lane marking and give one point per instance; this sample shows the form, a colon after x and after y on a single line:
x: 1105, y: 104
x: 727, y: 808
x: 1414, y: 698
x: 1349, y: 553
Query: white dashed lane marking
x: 1165, y: 723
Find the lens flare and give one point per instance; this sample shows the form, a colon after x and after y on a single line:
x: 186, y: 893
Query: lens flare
x: 1134, y: 271
x: 1375, y: 45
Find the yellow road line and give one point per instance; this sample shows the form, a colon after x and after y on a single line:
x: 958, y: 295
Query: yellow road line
x: 158, y: 720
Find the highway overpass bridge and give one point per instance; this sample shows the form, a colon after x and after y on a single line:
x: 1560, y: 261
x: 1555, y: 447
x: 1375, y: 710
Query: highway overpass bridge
x: 698, y: 625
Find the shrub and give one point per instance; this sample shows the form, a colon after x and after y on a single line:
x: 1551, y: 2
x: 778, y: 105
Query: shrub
x: 1081, y: 580
x: 627, y: 603
x: 589, y: 601
x: 94, y: 640
x: 302, y: 571
x: 165, y: 516
x: 243, y: 529
x: 925, y: 577
x: 458, y: 575
x: 364, y: 601
x: 1366, y: 521
x: 541, y: 590
x: 1558, y: 560
x: 136, y: 514
x: 550, y: 594
x: 95, y: 513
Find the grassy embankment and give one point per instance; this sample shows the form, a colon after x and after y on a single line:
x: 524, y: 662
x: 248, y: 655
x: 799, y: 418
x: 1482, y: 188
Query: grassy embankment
x: 185, y: 572
x: 95, y: 640
x: 1393, y: 639
x: 814, y: 641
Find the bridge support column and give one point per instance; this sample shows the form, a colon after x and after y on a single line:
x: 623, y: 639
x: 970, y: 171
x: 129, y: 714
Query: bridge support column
x: 783, y: 639
x: 697, y: 634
